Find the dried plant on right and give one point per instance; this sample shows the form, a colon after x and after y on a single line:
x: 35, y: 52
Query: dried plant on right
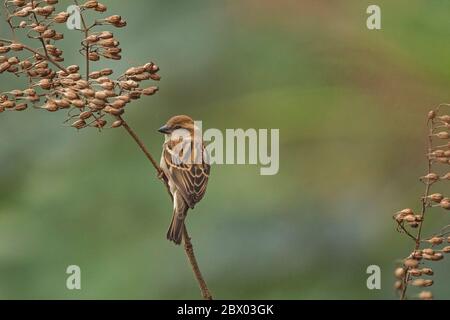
x: 416, y: 269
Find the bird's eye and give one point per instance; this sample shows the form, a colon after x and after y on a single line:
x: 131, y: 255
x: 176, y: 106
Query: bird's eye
x: 177, y: 127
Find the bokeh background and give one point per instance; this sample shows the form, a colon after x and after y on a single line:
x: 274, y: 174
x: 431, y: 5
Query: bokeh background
x: 350, y: 105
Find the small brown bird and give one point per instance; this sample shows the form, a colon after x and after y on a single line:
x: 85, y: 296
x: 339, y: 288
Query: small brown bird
x: 185, y: 164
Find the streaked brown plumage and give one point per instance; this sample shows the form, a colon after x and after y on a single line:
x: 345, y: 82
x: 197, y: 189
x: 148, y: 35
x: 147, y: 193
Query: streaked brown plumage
x: 187, y: 180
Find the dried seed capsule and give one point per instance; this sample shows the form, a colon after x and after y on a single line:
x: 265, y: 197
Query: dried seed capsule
x: 93, y: 56
x: 73, y: 69
x: 78, y: 103
x: 436, y: 197
x: 399, y: 273
x: 106, y: 72
x: 91, y: 4
x: 425, y: 295
x: 117, y: 124
x: 95, y: 75
x: 430, y: 178
x: 441, y: 159
x: 411, y: 263
x: 438, y: 153
x: 113, y: 111
x: 427, y: 271
x: 79, y: 124
x: 442, y: 135
x: 437, y: 256
x: 16, y: 46
x: 398, y: 285
x: 88, y: 93
x: 415, y: 272
x: 155, y: 76
x: 422, y: 282
x: 417, y: 254
x: 410, y: 219
x: 21, y: 107
x: 61, y: 17
x: 428, y: 251
x: 100, y: 8
x: 118, y: 104
x: 85, y: 115
x: 113, y: 19
x: 444, y: 118
x: 446, y: 176
x: 150, y: 91
x: 63, y: 103
x: 4, y: 66
x: 435, y: 240
x: 445, y: 203
x: 431, y: 114
x: 446, y: 249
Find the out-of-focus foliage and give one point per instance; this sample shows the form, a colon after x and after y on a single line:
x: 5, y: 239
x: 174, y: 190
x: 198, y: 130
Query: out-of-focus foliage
x: 350, y: 105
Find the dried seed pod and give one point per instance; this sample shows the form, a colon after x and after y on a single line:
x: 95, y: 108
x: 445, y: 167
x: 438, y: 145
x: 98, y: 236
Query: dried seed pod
x: 417, y: 254
x: 425, y: 295
x: 85, y: 115
x: 88, y: 93
x: 78, y: 103
x: 430, y: 178
x: 93, y: 56
x: 445, y: 203
x: 432, y: 115
x: 106, y: 72
x: 427, y: 271
x: 117, y: 123
x: 21, y: 107
x: 398, y: 285
x: 442, y: 135
x: 422, y: 282
x: 399, y: 273
x: 415, y: 272
x: 444, y: 118
x: 73, y: 69
x: 436, y: 240
x: 95, y: 75
x: 79, y: 124
x: 150, y: 91
x: 446, y: 249
x: 113, y: 19
x: 61, y: 17
x: 441, y: 160
x: 436, y: 197
x: 446, y: 176
x: 113, y: 111
x: 428, y: 251
x: 91, y: 4
x: 411, y: 263
x: 100, y: 7
x: 16, y: 46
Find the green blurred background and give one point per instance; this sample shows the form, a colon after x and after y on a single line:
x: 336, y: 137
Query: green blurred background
x: 350, y: 105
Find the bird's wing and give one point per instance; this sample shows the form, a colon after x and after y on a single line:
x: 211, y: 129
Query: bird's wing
x: 190, y: 179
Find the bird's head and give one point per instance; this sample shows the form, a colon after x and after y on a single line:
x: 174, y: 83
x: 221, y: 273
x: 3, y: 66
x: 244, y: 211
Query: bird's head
x: 178, y: 122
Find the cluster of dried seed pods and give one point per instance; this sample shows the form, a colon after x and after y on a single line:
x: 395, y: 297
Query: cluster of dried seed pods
x: 414, y: 270
x: 88, y: 97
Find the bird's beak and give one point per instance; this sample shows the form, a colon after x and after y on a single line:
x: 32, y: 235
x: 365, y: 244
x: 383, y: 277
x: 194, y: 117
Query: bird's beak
x: 164, y: 129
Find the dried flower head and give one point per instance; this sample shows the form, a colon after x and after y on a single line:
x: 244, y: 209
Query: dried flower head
x: 54, y: 86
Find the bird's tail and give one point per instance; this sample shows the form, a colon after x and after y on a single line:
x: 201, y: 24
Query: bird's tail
x: 175, y: 232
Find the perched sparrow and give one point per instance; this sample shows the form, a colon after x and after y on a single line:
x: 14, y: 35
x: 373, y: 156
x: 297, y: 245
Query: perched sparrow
x: 185, y: 164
